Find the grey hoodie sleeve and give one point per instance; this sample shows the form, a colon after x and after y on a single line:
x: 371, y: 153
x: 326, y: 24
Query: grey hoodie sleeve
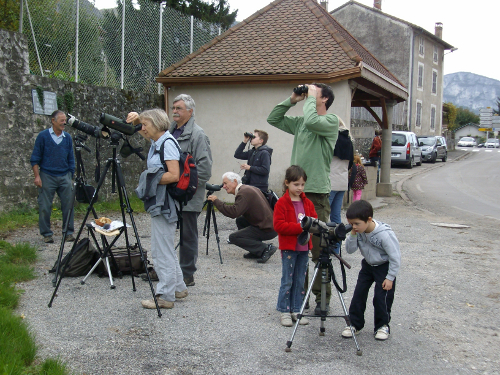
x: 351, y: 243
x: 391, y: 246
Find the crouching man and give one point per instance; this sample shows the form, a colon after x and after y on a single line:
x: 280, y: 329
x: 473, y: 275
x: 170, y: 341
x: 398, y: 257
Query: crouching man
x: 255, y: 218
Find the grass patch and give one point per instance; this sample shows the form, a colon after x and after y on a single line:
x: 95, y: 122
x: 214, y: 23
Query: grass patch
x: 28, y: 217
x: 17, y: 344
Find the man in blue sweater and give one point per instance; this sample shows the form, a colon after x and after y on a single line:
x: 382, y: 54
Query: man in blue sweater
x: 54, y: 165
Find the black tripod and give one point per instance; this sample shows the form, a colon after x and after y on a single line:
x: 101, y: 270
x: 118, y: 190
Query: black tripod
x: 117, y: 175
x: 206, y: 228
x: 81, y: 191
x: 327, y: 274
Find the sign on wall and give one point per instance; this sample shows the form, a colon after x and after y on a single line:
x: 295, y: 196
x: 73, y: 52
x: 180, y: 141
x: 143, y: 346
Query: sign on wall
x: 49, y: 102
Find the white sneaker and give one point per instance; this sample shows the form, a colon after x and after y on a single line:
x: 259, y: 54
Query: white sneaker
x: 303, y: 321
x: 286, y: 320
x: 347, y: 332
x: 382, y: 333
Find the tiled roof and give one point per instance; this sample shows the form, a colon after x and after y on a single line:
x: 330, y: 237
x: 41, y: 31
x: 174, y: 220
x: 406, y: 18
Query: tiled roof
x: 416, y: 27
x: 287, y: 37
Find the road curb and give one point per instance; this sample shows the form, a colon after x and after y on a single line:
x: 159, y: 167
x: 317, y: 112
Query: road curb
x: 399, y: 184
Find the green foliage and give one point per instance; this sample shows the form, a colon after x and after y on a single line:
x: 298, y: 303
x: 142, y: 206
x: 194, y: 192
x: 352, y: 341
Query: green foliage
x: 39, y: 91
x: 69, y: 101
x: 9, y: 15
x: 465, y: 116
x: 218, y: 11
x: 451, y: 115
x: 17, y: 218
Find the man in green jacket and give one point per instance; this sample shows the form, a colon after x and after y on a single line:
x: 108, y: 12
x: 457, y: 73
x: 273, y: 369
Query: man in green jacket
x: 315, y: 134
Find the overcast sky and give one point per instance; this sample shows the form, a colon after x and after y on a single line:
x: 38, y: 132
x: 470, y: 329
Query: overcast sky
x: 471, y: 26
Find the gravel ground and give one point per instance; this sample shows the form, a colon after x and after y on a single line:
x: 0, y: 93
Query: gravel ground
x: 445, y: 314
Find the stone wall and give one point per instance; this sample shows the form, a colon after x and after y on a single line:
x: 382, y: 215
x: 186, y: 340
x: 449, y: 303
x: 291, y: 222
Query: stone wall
x: 19, y: 126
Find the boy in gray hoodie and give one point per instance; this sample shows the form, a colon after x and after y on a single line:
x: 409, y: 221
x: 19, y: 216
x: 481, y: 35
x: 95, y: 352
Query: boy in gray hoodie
x: 380, y: 249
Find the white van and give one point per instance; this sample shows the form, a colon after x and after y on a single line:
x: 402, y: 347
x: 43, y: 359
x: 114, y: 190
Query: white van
x: 405, y: 149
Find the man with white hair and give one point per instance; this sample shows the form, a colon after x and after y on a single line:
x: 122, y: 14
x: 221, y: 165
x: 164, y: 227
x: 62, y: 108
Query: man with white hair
x: 191, y: 138
x: 253, y: 207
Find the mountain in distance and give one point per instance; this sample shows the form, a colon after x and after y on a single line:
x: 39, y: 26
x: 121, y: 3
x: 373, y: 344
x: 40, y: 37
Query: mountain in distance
x: 470, y: 90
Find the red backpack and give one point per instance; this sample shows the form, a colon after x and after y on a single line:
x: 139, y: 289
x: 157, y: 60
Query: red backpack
x: 184, y: 189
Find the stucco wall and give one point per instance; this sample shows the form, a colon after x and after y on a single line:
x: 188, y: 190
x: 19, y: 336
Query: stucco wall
x: 19, y: 126
x: 225, y: 112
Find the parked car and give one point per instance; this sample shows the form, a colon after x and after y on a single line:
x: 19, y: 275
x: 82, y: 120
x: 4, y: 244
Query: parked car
x: 492, y: 142
x: 467, y: 142
x: 405, y: 149
x: 432, y: 148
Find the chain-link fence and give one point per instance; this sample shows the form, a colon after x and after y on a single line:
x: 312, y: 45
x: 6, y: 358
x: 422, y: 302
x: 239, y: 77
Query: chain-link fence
x: 95, y: 51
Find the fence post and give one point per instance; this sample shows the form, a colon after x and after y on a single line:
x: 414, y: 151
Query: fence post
x: 123, y: 43
x: 159, y: 44
x: 77, y: 38
x: 21, y: 17
x: 192, y: 22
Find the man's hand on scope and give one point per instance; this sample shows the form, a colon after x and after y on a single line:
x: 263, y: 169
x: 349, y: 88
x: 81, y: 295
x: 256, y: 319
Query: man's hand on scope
x: 212, y: 198
x: 297, y: 98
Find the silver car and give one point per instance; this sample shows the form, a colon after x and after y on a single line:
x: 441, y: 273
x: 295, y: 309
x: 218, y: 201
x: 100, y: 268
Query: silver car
x: 405, y: 149
x: 432, y: 148
x: 492, y: 142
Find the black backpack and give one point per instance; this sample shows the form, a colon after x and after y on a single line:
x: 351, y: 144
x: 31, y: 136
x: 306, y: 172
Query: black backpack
x: 83, y: 259
x: 271, y: 197
x: 184, y: 189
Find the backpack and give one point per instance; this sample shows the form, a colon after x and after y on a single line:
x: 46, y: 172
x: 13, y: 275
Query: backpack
x: 184, y: 189
x: 83, y: 259
x: 271, y: 197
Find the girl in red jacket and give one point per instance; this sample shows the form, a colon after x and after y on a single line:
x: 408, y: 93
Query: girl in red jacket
x: 288, y: 212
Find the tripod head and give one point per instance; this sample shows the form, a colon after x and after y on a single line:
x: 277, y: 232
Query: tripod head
x: 79, y: 141
x: 212, y: 188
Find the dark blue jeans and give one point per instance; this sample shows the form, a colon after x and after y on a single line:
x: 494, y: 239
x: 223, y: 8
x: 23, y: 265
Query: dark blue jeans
x: 63, y: 186
x: 293, y: 274
x: 382, y: 299
x: 336, y: 198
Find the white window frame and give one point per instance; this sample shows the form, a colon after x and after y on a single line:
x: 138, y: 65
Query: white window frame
x: 435, y: 55
x: 418, y: 114
x: 434, y: 82
x: 432, y: 122
x: 420, y: 85
x: 421, y: 46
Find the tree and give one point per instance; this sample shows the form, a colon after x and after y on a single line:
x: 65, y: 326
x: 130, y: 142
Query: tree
x: 451, y: 115
x: 9, y: 15
x: 465, y: 116
x: 217, y: 11
x: 497, y: 111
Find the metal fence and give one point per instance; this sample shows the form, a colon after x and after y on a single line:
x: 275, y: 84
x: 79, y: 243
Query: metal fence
x: 124, y: 47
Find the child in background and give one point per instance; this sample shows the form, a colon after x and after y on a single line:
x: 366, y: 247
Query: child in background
x: 380, y: 249
x: 288, y: 212
x: 360, y: 179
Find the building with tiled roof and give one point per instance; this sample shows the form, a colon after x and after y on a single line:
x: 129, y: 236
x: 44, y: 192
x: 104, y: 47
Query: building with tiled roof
x: 414, y: 55
x: 238, y: 78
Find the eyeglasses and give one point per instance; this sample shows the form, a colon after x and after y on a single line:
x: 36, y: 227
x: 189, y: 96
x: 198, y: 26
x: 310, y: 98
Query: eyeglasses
x: 178, y: 108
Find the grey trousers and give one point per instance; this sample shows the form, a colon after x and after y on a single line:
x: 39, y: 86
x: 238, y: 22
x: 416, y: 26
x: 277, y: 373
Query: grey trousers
x: 250, y: 238
x: 188, y: 251
x: 63, y: 186
x: 165, y: 259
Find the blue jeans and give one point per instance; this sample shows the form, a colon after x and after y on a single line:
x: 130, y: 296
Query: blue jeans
x: 336, y: 198
x: 63, y: 186
x: 293, y: 274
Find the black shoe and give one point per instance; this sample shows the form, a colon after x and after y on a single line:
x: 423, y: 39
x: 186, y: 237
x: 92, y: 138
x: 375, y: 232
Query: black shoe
x: 306, y: 307
x: 251, y: 256
x: 189, y: 280
x: 152, y: 275
x: 70, y: 238
x: 317, y: 310
x: 271, y: 249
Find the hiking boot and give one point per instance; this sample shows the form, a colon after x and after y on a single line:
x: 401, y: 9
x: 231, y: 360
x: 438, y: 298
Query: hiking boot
x: 162, y: 304
x: 270, y: 250
x: 182, y: 294
x: 189, y: 280
x: 251, y: 256
x: 152, y: 275
x: 382, y: 333
x: 70, y: 238
x: 317, y: 310
x: 48, y: 239
x: 286, y: 320
x: 346, y: 333
x: 303, y: 321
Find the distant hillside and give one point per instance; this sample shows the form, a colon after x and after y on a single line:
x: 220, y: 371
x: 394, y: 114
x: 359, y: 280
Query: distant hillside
x: 471, y: 90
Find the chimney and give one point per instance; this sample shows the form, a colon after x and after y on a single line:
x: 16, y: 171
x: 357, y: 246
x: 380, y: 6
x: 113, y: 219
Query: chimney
x: 324, y: 4
x: 438, y: 30
x: 377, y: 4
